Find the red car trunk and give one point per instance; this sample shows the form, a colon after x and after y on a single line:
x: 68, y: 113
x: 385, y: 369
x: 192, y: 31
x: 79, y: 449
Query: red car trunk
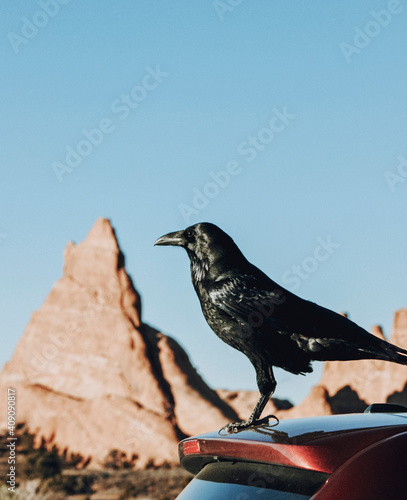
x: 353, y: 451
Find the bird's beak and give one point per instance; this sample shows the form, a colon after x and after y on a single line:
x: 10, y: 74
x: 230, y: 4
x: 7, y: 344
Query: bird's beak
x: 175, y: 239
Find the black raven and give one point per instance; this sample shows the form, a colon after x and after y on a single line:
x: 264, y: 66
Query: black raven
x: 270, y: 325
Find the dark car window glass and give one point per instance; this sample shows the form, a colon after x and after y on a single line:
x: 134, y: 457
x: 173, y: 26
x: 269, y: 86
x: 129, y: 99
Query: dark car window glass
x: 205, y: 490
x: 247, y: 481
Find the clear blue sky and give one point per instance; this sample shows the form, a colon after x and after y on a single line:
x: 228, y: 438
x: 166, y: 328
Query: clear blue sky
x: 306, y: 111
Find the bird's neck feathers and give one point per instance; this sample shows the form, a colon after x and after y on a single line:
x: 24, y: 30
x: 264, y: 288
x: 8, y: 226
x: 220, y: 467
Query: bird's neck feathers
x: 216, y: 263
x: 199, y: 270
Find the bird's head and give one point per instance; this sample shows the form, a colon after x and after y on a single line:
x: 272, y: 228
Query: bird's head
x: 206, y: 244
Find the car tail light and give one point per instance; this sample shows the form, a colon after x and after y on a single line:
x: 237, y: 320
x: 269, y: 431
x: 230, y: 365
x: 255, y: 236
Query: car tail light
x: 191, y: 447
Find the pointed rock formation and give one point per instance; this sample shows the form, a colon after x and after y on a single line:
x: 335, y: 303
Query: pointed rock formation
x: 91, y: 377
x: 399, y: 336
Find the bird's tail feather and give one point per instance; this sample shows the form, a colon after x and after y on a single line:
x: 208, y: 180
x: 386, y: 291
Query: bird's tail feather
x: 390, y: 352
x: 399, y: 356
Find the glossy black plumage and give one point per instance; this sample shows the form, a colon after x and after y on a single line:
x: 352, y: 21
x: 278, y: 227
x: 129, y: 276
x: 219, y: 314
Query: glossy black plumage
x: 269, y: 324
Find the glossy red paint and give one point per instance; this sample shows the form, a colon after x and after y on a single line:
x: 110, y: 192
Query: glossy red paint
x: 377, y: 472
x: 322, y: 444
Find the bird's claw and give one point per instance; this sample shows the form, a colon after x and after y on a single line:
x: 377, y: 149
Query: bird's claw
x: 235, y: 427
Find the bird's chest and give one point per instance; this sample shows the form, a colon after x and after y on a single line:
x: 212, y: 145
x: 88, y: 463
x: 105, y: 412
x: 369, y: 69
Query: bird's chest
x: 213, y: 315
x: 223, y: 325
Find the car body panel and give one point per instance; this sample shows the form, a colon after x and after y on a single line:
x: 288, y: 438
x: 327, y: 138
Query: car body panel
x: 306, y: 443
x: 377, y: 472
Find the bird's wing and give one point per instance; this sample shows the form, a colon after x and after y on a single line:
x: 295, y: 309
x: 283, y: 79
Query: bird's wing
x: 261, y: 328
x: 243, y: 297
x: 323, y: 334
x: 261, y: 303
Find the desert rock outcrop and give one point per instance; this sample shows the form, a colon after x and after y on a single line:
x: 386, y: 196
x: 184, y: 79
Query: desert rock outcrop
x: 90, y: 376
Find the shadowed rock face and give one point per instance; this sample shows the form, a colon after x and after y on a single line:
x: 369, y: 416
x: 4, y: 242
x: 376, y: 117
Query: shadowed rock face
x: 90, y: 376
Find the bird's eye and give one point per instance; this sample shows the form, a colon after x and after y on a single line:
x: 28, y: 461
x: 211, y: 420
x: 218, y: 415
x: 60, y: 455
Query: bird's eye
x: 189, y: 235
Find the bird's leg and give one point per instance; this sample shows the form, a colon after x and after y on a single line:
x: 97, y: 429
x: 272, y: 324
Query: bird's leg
x: 254, y: 417
x: 267, y: 384
x: 258, y: 409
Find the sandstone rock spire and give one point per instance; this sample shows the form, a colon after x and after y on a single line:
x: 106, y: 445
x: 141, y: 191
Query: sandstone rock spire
x: 90, y: 376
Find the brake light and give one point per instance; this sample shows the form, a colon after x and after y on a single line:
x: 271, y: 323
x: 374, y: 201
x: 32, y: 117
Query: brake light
x: 191, y: 447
